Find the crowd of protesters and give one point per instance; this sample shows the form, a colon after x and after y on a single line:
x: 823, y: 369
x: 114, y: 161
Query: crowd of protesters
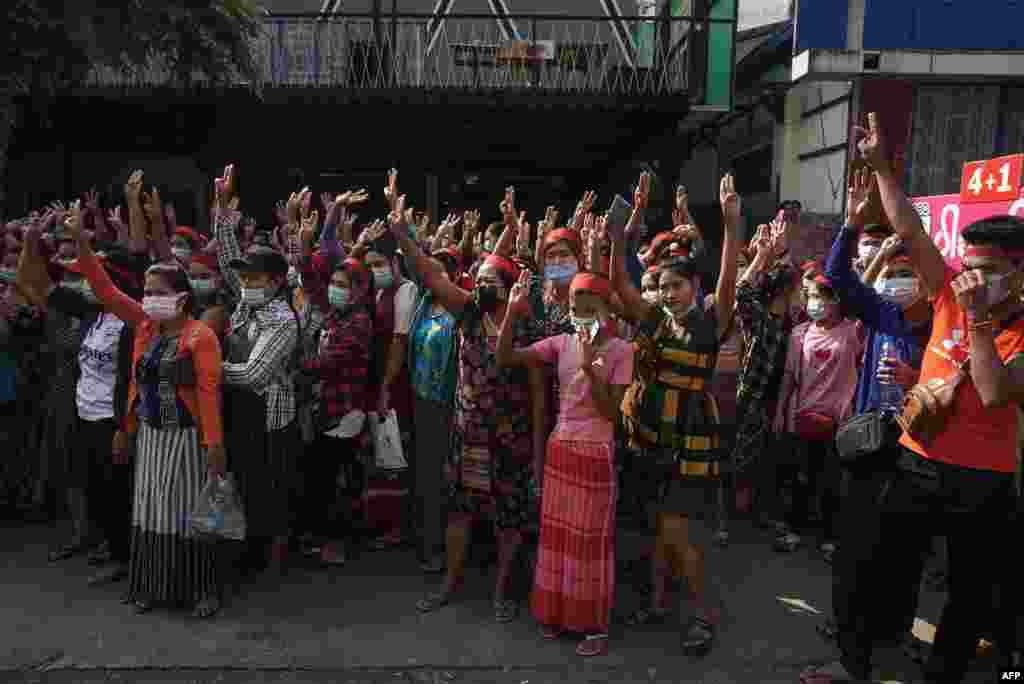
x: 539, y: 378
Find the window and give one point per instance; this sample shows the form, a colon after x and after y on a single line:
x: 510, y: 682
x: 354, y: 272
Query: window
x: 952, y: 125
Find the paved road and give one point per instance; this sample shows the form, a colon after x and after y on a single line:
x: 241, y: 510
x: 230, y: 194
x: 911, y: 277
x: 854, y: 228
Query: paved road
x: 357, y: 625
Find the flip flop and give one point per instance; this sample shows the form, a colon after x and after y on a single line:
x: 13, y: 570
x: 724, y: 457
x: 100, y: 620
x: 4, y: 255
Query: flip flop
x: 593, y: 645
x: 207, y: 608
x: 548, y: 633
x: 66, y: 551
x: 505, y: 610
x: 434, y: 602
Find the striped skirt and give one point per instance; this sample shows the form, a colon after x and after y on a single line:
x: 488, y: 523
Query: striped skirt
x: 169, y: 564
x: 574, y: 579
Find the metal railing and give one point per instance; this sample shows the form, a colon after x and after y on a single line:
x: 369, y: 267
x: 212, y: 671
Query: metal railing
x: 640, y: 56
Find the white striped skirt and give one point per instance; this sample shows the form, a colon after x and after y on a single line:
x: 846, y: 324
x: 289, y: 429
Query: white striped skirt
x: 168, y: 562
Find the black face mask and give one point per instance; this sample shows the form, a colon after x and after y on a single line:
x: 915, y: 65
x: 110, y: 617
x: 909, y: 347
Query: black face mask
x: 486, y: 298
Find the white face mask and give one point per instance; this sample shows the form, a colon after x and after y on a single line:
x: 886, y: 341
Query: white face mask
x: 899, y: 291
x: 182, y: 254
x: 588, y: 326
x: 254, y: 296
x: 161, y: 308
x: 867, y: 252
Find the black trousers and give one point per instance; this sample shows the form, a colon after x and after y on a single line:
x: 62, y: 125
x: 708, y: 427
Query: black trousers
x: 874, y: 597
x: 973, y: 509
x: 109, y: 490
x: 326, y: 507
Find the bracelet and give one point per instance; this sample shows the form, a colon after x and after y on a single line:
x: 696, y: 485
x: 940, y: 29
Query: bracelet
x: 981, y: 325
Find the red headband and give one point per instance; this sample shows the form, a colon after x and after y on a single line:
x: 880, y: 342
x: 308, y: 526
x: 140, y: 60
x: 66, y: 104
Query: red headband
x: 591, y: 282
x: 504, y: 265
x: 823, y: 280
x: 808, y: 265
x: 652, y: 269
x: 357, y: 266
x: 561, y: 234
x: 186, y: 232
x: 679, y: 251
x: 208, y: 260
x: 993, y: 251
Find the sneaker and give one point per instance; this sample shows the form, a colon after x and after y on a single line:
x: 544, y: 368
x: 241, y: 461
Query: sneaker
x: 788, y: 542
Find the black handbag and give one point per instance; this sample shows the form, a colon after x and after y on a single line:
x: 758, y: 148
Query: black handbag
x: 867, y: 436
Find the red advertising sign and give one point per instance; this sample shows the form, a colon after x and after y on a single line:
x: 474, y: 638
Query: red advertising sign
x: 992, y: 180
x: 944, y: 216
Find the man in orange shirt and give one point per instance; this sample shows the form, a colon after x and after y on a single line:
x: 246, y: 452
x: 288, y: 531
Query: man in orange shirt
x: 961, y: 483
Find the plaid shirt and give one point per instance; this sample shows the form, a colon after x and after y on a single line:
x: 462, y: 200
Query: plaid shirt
x: 342, y: 362
x: 274, y: 328
x: 766, y: 339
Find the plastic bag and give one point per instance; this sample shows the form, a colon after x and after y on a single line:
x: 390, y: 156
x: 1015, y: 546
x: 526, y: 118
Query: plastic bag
x: 218, y: 512
x: 387, y: 442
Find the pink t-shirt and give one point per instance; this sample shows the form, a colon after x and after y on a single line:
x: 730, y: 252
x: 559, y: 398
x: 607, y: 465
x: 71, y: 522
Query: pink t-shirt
x: 828, y: 376
x: 578, y: 417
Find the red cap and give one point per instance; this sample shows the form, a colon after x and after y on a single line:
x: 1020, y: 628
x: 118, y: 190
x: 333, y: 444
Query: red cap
x: 592, y: 282
x: 564, y: 235
x: 190, y: 234
x: 208, y: 260
x: 504, y: 265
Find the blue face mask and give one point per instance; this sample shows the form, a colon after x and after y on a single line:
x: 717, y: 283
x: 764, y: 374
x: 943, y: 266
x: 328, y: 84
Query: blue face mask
x: 561, y: 273
x: 338, y: 296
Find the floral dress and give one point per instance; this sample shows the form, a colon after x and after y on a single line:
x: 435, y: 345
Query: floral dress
x: 491, y: 457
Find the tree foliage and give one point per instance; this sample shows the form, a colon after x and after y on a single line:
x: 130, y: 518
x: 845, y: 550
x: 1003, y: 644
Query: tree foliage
x: 52, y: 44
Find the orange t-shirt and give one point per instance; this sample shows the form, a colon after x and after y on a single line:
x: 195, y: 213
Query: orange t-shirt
x: 975, y: 437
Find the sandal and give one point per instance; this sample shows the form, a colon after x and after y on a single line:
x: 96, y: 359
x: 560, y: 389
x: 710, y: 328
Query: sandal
x: 505, y: 610
x: 788, y: 543
x: 142, y: 606
x: 549, y: 633
x: 333, y: 555
x: 593, y: 645
x: 100, y: 555
x: 827, y: 674
x: 828, y: 551
x: 828, y: 630
x: 699, y: 636
x: 207, y: 608
x: 434, y: 602
x: 647, y: 616
x: 66, y: 551
x: 434, y: 566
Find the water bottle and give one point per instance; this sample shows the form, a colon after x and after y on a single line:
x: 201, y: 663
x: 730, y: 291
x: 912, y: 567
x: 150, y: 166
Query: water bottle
x: 890, y: 394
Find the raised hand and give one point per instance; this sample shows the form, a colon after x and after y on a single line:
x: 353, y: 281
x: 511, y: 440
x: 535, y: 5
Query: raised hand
x: 294, y: 204
x: 779, y: 238
x: 333, y: 207
x: 280, y: 214
x: 731, y: 203
x: 391, y: 189
x: 73, y: 222
x: 60, y: 212
x: 92, y: 201
x: 519, y: 296
x: 643, y: 191
x: 377, y: 229
x: 354, y: 197
x: 133, y: 188
x: 859, y: 205
x: 152, y: 207
x: 890, y: 245
x: 508, y: 205
x: 114, y: 219
x: 681, y: 212
x: 762, y: 243
x: 224, y: 188
x: 872, y: 144
x: 471, y: 220
x: 307, y: 204
x: 309, y: 226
